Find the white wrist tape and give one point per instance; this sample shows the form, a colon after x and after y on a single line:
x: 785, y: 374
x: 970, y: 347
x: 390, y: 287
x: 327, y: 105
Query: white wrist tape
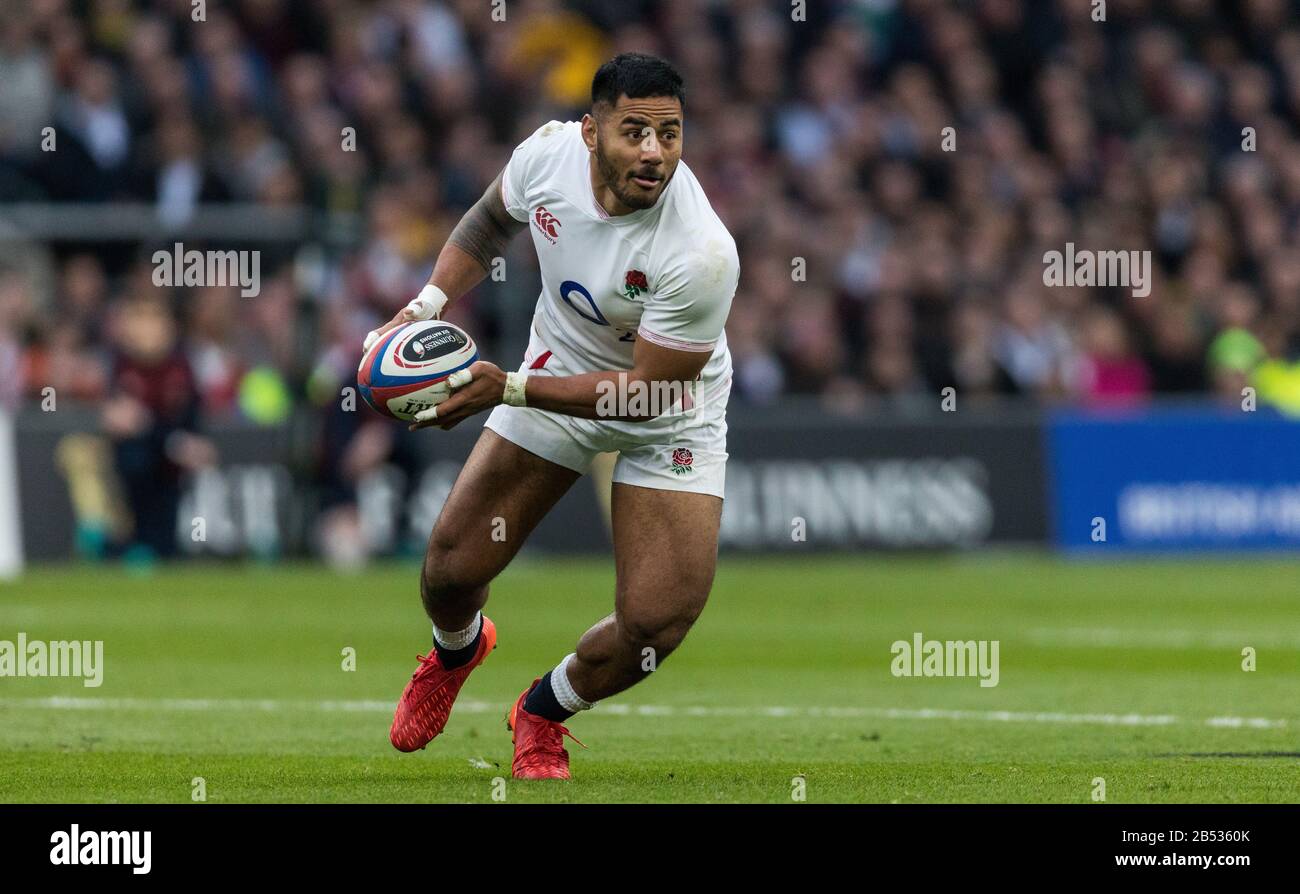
x: 424, y: 306
x: 513, y: 396
x: 428, y: 304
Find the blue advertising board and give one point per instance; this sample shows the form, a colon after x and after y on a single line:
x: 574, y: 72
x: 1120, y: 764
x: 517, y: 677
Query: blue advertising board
x: 1174, y: 480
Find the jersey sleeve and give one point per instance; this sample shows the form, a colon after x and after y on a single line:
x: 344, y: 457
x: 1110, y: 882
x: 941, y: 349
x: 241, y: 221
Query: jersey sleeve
x: 518, y: 173
x: 692, y: 298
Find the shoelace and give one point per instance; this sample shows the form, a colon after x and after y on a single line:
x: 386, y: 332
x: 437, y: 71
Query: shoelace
x: 425, y: 661
x: 565, y: 731
x: 442, y: 696
x: 542, y: 745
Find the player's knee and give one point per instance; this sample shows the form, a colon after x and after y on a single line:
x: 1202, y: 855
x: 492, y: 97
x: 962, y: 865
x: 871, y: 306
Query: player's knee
x: 658, y: 629
x: 449, y: 575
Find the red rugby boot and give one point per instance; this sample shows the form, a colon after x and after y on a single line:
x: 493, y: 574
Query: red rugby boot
x: 426, y: 702
x: 539, y: 743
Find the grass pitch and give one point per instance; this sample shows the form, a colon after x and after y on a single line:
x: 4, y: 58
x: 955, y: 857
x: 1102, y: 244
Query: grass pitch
x: 1131, y: 672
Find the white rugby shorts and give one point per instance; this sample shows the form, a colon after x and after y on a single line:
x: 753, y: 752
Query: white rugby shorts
x: 687, y: 452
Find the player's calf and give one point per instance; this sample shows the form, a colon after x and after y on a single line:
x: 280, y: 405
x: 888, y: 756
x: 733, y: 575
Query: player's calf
x: 615, y: 654
x: 636, y: 642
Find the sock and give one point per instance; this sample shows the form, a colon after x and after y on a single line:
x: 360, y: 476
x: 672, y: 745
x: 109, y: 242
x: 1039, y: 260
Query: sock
x: 457, y: 647
x: 553, y: 696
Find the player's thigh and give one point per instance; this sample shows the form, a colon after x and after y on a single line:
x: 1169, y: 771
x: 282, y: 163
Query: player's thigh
x: 666, y: 552
x: 500, y: 495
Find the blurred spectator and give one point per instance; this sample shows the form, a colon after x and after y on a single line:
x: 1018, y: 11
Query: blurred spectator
x: 151, y: 416
x: 1110, y: 373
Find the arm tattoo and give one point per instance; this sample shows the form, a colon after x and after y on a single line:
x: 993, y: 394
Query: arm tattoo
x: 486, y: 228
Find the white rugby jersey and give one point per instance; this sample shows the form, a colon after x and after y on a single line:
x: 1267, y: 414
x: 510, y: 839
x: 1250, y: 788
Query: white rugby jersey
x: 665, y: 273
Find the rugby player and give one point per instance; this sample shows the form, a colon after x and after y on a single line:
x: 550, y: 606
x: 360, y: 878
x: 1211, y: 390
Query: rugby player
x: 638, y: 274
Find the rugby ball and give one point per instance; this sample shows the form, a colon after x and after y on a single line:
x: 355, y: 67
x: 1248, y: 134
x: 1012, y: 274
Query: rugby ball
x: 406, y: 370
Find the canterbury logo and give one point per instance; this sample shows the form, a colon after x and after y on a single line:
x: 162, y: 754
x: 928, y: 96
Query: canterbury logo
x: 546, y: 222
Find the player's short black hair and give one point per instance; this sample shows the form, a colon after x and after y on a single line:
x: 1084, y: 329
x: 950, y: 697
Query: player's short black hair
x: 636, y: 76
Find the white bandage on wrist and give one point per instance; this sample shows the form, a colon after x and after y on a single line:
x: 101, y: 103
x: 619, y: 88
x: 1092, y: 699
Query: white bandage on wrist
x: 513, y: 396
x: 428, y: 304
x: 424, y: 306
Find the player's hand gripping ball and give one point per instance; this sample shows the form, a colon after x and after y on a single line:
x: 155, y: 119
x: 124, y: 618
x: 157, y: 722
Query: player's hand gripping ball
x: 414, y: 367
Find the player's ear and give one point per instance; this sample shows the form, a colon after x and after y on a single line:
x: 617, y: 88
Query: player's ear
x: 589, y: 132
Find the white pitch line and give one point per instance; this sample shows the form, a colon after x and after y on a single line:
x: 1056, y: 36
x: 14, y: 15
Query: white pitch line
x: 72, y: 703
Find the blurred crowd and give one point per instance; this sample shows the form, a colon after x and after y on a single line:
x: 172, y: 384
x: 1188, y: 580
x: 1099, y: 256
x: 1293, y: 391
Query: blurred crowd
x: 894, y: 172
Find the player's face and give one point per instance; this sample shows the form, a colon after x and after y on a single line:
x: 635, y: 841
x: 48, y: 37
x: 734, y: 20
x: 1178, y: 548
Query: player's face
x: 637, y: 145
